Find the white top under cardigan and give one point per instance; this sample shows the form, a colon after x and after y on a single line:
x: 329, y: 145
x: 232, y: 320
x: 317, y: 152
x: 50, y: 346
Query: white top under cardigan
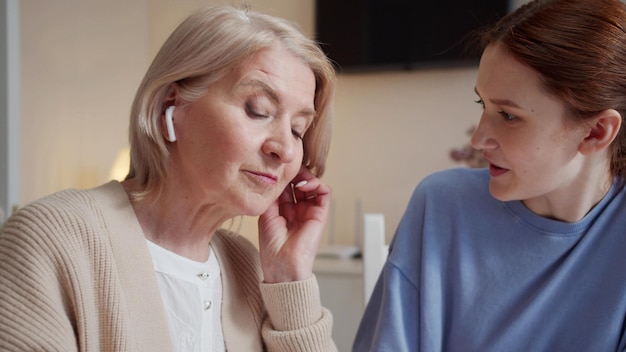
x: 192, y: 295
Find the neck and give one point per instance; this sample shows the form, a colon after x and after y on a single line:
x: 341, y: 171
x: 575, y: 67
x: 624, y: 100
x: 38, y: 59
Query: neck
x: 574, y: 201
x: 176, y: 222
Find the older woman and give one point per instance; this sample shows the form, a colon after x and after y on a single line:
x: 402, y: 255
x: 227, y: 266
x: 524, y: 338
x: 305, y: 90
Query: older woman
x: 232, y: 118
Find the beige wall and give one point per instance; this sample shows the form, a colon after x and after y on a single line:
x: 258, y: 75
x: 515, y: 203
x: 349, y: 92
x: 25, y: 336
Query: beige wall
x: 82, y: 61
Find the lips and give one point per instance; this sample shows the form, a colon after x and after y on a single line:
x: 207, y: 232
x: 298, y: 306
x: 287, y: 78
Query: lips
x: 263, y: 177
x: 495, y: 170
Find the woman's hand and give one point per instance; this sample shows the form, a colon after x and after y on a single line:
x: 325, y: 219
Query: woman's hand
x: 291, y: 228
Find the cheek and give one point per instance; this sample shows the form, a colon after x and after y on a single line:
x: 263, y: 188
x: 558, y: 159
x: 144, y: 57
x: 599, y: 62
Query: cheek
x: 534, y: 160
x: 293, y: 168
x: 520, y: 145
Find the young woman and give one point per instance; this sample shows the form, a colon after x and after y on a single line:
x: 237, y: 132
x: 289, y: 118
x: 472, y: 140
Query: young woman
x: 528, y: 254
x: 232, y: 118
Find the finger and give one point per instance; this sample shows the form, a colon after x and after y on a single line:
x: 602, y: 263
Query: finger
x: 304, y: 191
x: 310, y: 189
x: 323, y: 194
x: 303, y: 176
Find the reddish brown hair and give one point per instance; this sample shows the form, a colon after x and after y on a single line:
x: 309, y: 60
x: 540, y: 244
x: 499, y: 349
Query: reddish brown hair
x: 579, y: 48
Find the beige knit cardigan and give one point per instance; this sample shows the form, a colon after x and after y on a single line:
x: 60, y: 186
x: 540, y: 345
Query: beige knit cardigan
x: 76, y: 275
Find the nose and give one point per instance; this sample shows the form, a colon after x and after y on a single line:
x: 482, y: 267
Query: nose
x: 281, y: 144
x: 481, y: 137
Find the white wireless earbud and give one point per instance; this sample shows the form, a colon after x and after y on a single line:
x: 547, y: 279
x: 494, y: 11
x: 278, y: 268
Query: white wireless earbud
x: 169, y: 122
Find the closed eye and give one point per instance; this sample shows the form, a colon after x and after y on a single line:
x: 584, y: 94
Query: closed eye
x: 300, y: 124
x: 252, y: 112
x: 298, y: 135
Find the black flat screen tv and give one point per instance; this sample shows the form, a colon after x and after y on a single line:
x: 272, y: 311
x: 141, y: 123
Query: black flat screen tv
x: 365, y: 35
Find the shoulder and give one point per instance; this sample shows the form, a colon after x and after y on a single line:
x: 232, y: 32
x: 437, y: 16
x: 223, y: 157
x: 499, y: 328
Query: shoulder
x: 58, y: 209
x: 50, y: 234
x: 455, y: 178
x: 77, y: 202
x: 443, y: 198
x: 457, y: 183
x: 66, y: 218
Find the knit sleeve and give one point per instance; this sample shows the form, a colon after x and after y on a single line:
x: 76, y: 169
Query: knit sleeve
x: 297, y: 321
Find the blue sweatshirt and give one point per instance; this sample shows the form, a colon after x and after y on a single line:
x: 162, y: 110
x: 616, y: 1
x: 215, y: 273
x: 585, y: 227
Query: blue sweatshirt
x: 467, y: 272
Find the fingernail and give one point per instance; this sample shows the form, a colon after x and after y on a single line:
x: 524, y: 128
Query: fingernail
x: 301, y: 183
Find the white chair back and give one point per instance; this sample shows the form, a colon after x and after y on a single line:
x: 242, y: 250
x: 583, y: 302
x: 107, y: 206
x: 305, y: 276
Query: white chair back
x: 374, y: 251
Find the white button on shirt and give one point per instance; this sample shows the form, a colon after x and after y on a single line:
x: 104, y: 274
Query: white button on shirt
x: 192, y: 295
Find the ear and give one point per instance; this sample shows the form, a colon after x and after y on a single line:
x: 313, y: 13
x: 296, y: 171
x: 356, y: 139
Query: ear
x: 601, y: 132
x: 171, y: 99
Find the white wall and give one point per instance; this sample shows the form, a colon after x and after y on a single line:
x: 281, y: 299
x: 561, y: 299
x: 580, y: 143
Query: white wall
x: 82, y: 61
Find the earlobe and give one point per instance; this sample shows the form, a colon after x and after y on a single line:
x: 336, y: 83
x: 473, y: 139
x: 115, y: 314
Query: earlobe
x: 603, y: 130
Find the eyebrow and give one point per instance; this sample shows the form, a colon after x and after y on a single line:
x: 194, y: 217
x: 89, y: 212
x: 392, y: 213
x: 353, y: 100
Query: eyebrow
x: 272, y: 94
x: 505, y: 102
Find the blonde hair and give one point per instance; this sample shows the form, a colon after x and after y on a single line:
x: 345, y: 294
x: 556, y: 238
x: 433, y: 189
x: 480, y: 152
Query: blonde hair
x: 201, y: 50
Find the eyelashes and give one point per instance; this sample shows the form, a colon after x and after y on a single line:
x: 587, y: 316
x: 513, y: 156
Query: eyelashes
x: 253, y: 112
x: 507, y: 116
x: 298, y: 135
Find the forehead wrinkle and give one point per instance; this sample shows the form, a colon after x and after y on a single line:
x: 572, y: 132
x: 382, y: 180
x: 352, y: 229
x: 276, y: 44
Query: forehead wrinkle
x: 254, y: 83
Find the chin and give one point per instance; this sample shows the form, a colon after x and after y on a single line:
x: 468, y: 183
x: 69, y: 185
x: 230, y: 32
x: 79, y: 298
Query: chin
x: 500, y: 194
x: 253, y: 212
x: 256, y: 209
